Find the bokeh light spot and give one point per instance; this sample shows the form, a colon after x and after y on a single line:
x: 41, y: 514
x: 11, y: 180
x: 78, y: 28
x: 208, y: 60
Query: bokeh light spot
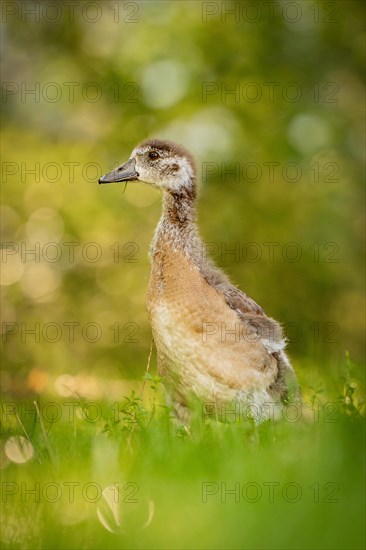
x: 39, y: 280
x: 18, y: 449
x: 164, y: 83
x: 308, y: 133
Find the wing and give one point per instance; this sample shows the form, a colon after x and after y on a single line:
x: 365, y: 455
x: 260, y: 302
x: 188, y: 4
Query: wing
x: 238, y: 300
x: 235, y: 298
x: 263, y: 328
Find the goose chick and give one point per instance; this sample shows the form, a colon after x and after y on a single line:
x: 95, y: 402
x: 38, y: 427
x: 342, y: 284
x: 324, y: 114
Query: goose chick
x: 213, y: 342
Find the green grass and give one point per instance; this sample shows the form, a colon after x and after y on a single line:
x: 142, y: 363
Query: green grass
x: 278, y: 485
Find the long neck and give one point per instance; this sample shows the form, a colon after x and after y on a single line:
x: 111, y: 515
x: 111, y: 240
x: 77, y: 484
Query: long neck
x: 179, y: 208
x: 177, y: 228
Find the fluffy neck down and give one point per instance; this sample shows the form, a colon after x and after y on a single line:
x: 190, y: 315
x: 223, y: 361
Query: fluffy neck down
x: 177, y: 226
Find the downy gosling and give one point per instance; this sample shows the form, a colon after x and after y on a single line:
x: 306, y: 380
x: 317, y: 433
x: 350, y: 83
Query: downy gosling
x: 215, y: 345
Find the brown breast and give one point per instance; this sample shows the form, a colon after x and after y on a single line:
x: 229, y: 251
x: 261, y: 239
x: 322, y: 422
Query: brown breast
x: 198, y: 336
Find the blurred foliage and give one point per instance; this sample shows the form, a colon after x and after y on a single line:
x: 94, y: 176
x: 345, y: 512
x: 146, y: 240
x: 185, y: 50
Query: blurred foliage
x: 125, y: 478
x: 166, y: 69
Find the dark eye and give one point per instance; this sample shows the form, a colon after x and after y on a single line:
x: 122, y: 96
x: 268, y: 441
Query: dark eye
x: 153, y: 155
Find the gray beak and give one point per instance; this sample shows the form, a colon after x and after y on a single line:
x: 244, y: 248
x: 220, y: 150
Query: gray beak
x: 125, y: 172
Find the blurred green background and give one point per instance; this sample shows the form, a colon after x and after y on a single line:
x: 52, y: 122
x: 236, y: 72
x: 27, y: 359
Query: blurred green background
x: 269, y: 98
